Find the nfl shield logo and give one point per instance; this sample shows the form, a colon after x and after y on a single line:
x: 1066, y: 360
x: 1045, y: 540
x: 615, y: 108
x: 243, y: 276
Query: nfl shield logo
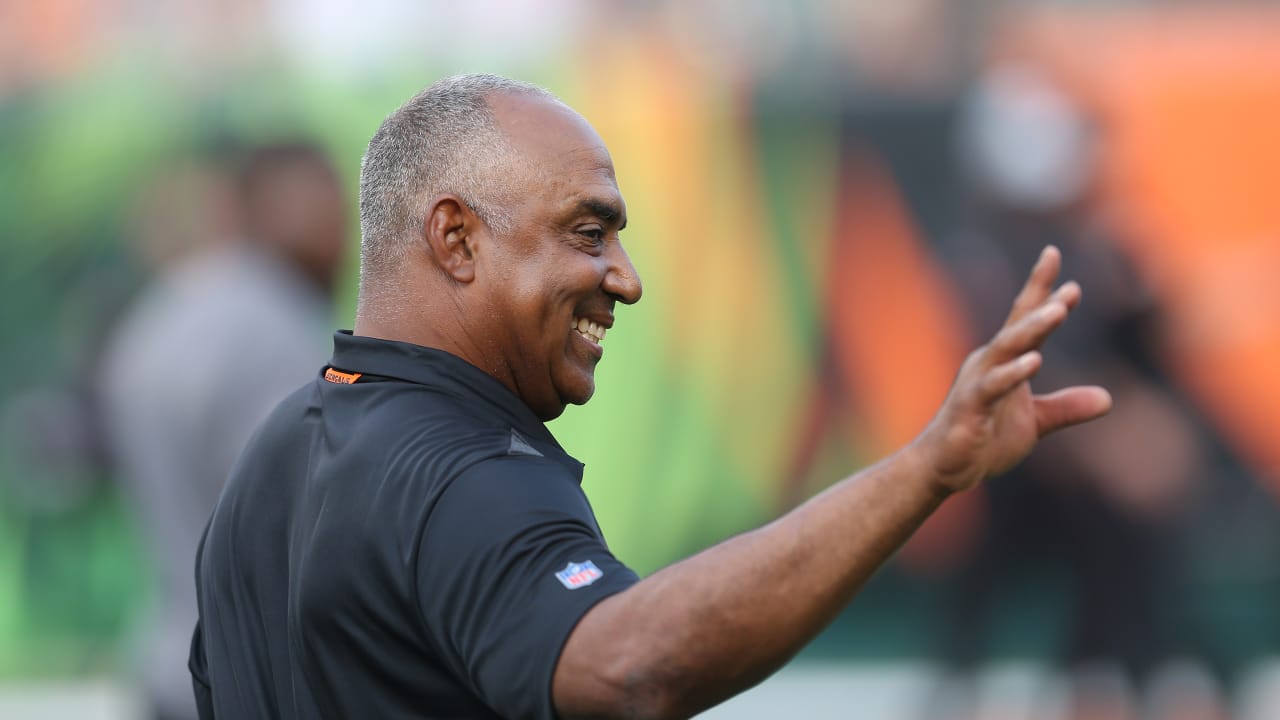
x: 576, y: 575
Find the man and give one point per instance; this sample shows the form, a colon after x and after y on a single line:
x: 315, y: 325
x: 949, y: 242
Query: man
x: 234, y: 321
x: 404, y: 538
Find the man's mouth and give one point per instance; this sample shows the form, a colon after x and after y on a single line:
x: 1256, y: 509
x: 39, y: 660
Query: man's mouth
x: 592, y: 331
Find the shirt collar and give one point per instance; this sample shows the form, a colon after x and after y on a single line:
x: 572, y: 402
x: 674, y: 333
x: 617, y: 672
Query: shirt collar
x: 439, y: 369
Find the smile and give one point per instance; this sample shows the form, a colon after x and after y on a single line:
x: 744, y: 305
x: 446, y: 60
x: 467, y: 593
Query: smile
x: 590, y: 330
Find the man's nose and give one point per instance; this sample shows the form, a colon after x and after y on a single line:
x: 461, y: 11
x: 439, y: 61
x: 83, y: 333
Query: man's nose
x: 622, y: 281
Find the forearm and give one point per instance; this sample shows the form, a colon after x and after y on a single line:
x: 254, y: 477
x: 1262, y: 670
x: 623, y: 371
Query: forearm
x: 710, y: 626
x: 706, y: 628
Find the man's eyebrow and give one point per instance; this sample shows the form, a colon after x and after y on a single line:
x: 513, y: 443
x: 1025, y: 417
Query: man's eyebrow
x: 606, y: 210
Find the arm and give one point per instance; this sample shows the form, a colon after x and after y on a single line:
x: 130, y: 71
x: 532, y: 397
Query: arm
x: 706, y: 628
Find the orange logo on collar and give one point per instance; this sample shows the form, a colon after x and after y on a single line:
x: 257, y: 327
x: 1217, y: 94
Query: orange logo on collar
x: 339, y: 377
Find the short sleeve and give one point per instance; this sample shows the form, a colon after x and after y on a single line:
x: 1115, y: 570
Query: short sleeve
x: 510, y: 560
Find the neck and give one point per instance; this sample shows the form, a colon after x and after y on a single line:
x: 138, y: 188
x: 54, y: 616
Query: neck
x: 433, y: 318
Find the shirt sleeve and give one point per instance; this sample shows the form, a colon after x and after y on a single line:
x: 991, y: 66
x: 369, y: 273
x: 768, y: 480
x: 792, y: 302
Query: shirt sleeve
x: 510, y: 559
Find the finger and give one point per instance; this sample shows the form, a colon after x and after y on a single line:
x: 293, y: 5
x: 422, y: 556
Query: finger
x: 1068, y: 294
x: 1039, y: 284
x: 1003, y: 378
x: 1070, y: 406
x: 1028, y: 333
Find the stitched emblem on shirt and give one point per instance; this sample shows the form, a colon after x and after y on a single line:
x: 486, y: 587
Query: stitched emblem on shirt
x: 339, y: 377
x: 520, y: 446
x: 577, y: 575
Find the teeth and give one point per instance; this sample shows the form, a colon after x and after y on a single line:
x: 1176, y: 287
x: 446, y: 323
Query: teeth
x: 593, y: 331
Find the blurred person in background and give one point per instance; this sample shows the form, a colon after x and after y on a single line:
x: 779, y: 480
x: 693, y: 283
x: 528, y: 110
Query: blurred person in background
x: 236, y: 317
x: 1104, y: 505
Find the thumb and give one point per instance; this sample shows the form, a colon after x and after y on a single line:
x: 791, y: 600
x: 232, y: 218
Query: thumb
x: 1070, y: 406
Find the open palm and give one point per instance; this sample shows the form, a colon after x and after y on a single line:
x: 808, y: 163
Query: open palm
x: 991, y: 419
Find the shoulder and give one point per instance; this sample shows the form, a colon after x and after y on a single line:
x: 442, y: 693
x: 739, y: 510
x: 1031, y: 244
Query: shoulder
x: 423, y: 431
x: 515, y: 490
x: 282, y: 432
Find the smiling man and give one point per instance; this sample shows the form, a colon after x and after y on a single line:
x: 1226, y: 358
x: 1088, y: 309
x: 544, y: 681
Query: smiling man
x: 515, y: 269
x: 403, y: 538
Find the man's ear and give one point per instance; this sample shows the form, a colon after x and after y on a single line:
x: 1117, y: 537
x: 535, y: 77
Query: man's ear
x: 449, y: 230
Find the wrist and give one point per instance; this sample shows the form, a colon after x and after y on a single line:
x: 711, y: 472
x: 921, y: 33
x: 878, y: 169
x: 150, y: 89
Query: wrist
x: 943, y: 473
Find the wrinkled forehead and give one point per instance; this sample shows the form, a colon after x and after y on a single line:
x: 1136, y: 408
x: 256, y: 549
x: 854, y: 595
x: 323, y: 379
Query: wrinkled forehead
x: 552, y: 137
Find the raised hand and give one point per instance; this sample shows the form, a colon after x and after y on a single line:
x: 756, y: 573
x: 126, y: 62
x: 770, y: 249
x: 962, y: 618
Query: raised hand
x: 991, y: 419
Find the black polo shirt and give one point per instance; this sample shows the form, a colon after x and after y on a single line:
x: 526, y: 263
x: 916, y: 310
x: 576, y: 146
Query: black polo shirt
x: 402, y: 538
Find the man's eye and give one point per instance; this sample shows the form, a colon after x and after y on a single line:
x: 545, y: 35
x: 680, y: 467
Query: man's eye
x: 597, y: 235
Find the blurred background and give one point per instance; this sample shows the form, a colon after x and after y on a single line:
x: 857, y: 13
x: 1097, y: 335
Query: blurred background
x: 831, y: 202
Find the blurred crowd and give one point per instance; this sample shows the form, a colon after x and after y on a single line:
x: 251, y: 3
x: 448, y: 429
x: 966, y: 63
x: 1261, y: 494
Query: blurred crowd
x: 864, y: 185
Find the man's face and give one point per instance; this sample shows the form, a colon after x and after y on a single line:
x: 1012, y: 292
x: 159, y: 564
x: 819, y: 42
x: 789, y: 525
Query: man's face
x: 552, y: 281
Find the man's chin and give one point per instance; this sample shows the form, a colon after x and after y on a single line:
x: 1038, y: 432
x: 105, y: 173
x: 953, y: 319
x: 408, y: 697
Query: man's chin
x: 583, y: 397
x: 579, y: 392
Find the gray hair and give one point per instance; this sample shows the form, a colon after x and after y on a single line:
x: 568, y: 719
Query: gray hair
x: 443, y: 140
